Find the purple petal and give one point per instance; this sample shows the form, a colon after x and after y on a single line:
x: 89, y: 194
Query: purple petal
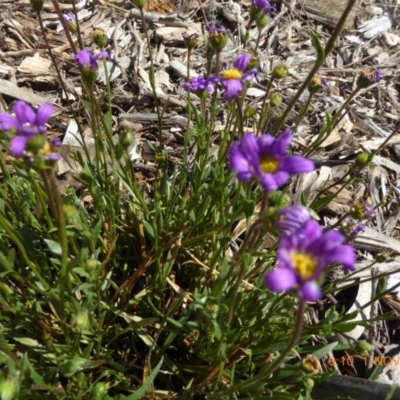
x: 17, y: 145
x: 238, y: 163
x: 7, y: 122
x: 298, y: 164
x: 24, y: 113
x: 342, y: 254
x: 53, y: 157
x: 44, y: 114
x: 82, y: 57
x: 265, y: 142
x: 272, y: 182
x: 249, y: 146
x: 249, y: 75
x: 241, y: 62
x: 280, y: 279
x: 312, y: 231
x: 282, y: 142
x: 310, y: 291
x: 102, y: 54
x: 233, y: 88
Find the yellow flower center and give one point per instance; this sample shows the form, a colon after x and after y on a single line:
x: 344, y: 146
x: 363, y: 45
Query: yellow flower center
x: 304, y: 264
x: 269, y: 164
x: 46, y: 149
x: 231, y: 74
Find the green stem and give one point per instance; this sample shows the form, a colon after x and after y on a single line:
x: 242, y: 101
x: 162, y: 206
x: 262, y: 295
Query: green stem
x: 262, y: 376
x: 64, y: 24
x: 328, y: 128
x: 13, y: 236
x: 303, y: 111
x: 152, y: 84
x: 62, y: 233
x: 328, y: 48
x: 263, y: 111
x: 41, y: 201
x: 240, y: 116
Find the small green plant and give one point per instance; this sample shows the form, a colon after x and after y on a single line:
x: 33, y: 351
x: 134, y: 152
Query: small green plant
x: 172, y: 294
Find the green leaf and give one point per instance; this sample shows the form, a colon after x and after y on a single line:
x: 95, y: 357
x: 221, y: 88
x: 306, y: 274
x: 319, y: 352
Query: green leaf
x: 325, y: 350
x: 96, y: 232
x: 152, y: 77
x: 70, y: 367
x: 139, y: 394
x: 54, y: 247
x: 149, y: 229
x: 318, y: 46
x: 27, y: 341
x: 319, y: 204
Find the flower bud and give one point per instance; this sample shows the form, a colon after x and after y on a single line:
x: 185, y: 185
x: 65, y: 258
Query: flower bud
x: 280, y: 71
x: 363, y: 348
x: 275, y: 99
x: 37, y: 5
x: 361, y: 211
x: 126, y: 139
x: 263, y: 21
x: 309, y: 383
x: 100, y: 38
x: 190, y: 40
x: 311, y: 364
x: 9, y: 388
x: 99, y: 391
x: 368, y: 78
x: 363, y: 159
x: 92, y: 265
x: 250, y: 111
x: 69, y: 18
x: 80, y: 321
x: 316, y: 84
x: 139, y: 3
x: 217, y: 37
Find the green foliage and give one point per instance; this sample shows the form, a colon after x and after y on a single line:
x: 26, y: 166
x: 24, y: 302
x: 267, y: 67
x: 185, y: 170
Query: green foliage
x: 131, y: 293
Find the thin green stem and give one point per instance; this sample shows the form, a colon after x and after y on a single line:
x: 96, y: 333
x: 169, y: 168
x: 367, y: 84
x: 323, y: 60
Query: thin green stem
x: 303, y: 111
x: 263, y: 111
x: 240, y: 116
x: 40, y: 199
x: 328, y: 48
x: 322, y: 136
x: 262, y: 376
x: 152, y: 83
x: 64, y: 24
x: 62, y: 233
x: 14, y: 237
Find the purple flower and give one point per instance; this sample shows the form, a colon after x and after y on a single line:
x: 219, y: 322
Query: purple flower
x: 368, y: 210
x: 352, y: 227
x: 291, y: 219
x: 378, y: 75
x: 26, y: 122
x: 265, y: 159
x: 200, y: 85
x: 68, y: 17
x: 216, y: 31
x: 303, y: 257
x: 234, y: 78
x: 369, y: 77
x: 362, y: 210
x: 263, y: 5
x: 190, y: 40
x: 87, y: 59
x: 30, y: 131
